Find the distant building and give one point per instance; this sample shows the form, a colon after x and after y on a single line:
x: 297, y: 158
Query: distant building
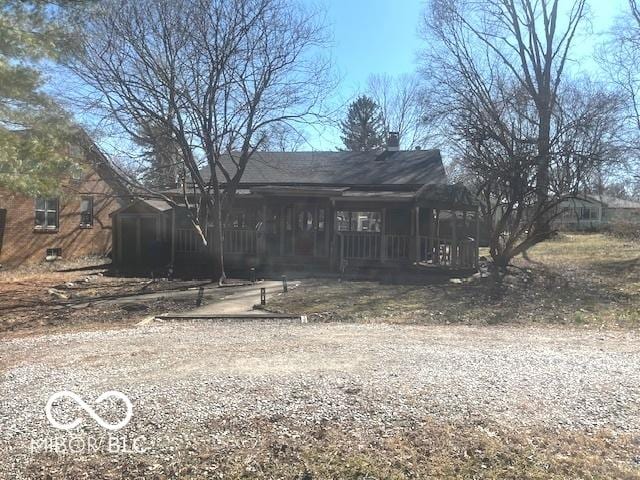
x: 593, y: 212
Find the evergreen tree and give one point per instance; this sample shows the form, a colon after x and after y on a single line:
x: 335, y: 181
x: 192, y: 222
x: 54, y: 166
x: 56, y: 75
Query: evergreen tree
x: 161, y: 154
x: 362, y: 130
x: 34, y: 132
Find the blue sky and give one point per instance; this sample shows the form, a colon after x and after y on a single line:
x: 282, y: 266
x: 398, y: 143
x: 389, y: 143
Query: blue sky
x: 377, y: 36
x: 374, y: 36
x: 381, y: 36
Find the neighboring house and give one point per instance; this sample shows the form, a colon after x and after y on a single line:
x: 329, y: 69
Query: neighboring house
x: 322, y: 210
x: 593, y: 212
x: 72, y: 225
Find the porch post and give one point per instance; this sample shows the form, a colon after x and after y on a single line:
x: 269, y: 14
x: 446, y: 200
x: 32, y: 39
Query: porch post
x: 417, y: 233
x: 454, y: 239
x: 282, y: 226
x: 315, y: 230
x: 477, y: 249
x: 173, y: 237
x: 294, y: 219
x: 261, y: 236
x: 437, y: 222
x: 465, y: 251
x: 383, y: 237
x: 330, y: 232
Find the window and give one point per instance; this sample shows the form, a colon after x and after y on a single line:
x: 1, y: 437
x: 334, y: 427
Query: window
x: 359, y: 221
x: 305, y: 221
x: 53, y: 253
x: 321, y: 219
x: 238, y: 220
x: 46, y: 213
x: 587, y: 213
x: 86, y: 212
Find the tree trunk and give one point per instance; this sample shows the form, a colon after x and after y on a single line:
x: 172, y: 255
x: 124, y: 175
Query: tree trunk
x: 499, y: 255
x: 217, y: 242
x: 542, y: 169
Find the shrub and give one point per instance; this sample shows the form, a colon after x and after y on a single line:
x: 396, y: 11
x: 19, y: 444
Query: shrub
x: 623, y: 229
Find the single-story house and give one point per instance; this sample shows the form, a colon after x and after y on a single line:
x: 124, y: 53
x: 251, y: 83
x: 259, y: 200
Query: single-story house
x: 593, y: 212
x: 321, y: 210
x: 74, y: 224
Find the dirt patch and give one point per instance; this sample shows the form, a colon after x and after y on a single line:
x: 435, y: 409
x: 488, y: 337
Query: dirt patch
x: 85, y: 295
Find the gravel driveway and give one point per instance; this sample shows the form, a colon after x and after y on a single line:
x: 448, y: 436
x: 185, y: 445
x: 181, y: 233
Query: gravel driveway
x: 190, y: 382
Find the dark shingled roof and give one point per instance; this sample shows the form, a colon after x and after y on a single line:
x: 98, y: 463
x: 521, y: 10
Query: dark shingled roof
x: 411, y: 167
x: 455, y: 196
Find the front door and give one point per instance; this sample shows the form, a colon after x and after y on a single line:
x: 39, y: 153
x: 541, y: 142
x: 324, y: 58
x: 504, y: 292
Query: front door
x: 305, y: 231
x: 129, y: 240
x: 298, y: 230
x: 150, y: 247
x: 140, y: 244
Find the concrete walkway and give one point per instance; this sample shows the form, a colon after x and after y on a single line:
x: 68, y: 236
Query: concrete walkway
x: 239, y: 301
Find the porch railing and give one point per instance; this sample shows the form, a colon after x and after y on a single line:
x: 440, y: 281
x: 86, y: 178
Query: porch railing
x: 373, y: 246
x: 446, y: 252
x: 188, y: 241
x: 360, y: 245
x: 425, y: 250
x: 240, y: 241
x: 397, y: 246
x: 235, y: 241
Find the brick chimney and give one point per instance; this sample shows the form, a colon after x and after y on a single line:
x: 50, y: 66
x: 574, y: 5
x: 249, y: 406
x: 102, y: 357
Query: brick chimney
x: 393, y: 142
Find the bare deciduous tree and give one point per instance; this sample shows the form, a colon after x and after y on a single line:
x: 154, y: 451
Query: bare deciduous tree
x: 497, y: 156
x: 405, y: 107
x: 620, y: 58
x: 215, y: 75
x: 527, y: 42
x: 528, y: 138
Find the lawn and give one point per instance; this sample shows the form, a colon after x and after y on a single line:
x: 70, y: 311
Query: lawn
x: 575, y: 279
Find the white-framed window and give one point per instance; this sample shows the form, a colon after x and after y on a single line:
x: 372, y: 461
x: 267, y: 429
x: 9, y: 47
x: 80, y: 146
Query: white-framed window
x: 86, y: 212
x: 350, y: 221
x: 46, y: 213
x: 53, y: 253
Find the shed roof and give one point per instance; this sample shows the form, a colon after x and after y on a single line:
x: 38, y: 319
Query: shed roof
x: 157, y: 205
x: 410, y: 167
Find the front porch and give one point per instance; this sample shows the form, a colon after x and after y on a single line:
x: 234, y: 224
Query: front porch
x: 334, y: 235
x: 326, y: 228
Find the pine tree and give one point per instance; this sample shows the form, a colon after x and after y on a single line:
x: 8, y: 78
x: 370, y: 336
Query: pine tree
x: 34, y: 132
x: 362, y: 130
x: 161, y: 154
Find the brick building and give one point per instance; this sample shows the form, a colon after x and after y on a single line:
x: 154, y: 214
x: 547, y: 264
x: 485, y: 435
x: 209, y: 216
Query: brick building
x: 75, y: 224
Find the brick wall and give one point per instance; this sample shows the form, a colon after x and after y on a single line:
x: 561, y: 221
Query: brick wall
x: 21, y: 243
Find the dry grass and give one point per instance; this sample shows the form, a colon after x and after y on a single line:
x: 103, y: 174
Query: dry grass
x: 598, y: 259
x: 427, y: 450
x: 588, y: 279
